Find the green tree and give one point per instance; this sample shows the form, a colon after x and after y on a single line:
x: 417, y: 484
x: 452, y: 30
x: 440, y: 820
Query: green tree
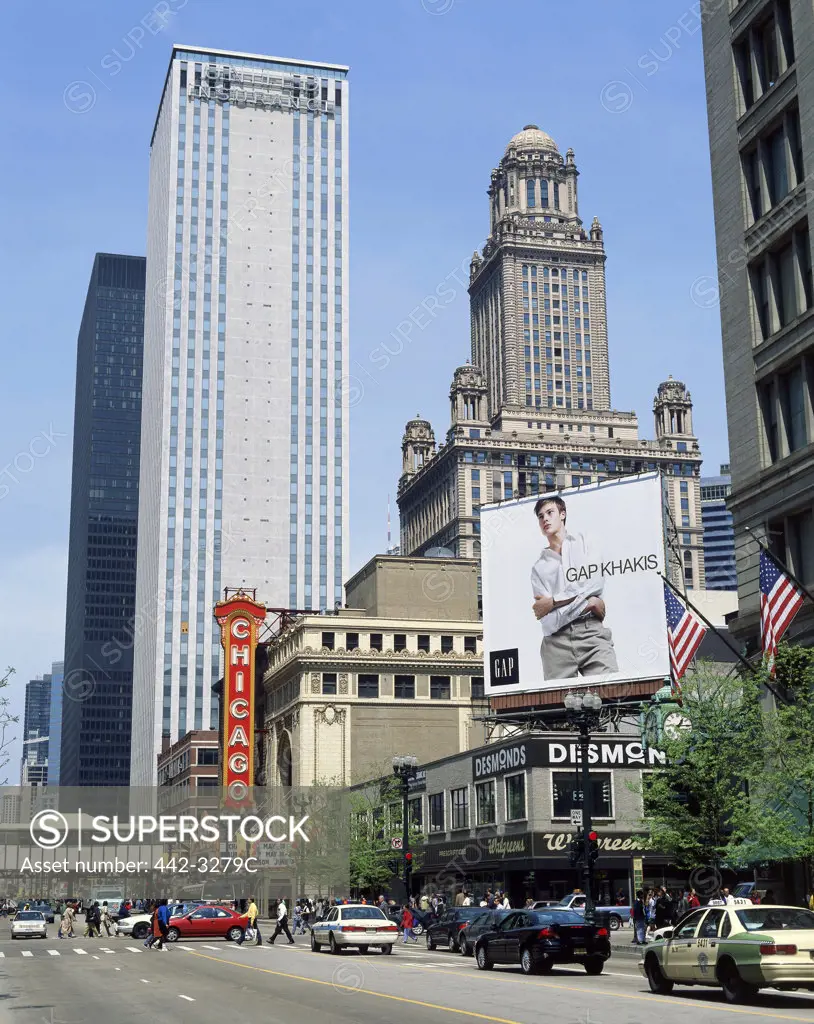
x: 781, y: 781
x: 376, y: 817
x: 7, y: 720
x: 696, y: 808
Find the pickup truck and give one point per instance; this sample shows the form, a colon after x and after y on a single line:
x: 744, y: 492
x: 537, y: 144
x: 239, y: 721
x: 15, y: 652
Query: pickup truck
x: 576, y: 902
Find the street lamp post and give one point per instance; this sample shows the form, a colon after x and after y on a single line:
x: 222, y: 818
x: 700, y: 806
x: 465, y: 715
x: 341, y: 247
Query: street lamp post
x: 582, y: 711
x: 404, y: 768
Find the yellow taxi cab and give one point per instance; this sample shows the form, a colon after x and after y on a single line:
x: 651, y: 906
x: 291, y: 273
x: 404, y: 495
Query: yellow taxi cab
x: 735, y: 946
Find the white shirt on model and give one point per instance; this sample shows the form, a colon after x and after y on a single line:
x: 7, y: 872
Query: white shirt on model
x: 548, y: 579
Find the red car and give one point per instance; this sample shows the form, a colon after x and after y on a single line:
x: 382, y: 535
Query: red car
x: 207, y: 923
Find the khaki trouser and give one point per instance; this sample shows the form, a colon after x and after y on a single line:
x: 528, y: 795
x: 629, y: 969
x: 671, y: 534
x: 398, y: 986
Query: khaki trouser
x: 583, y: 647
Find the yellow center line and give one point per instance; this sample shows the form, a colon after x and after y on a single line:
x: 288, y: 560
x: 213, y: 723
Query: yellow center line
x: 488, y: 976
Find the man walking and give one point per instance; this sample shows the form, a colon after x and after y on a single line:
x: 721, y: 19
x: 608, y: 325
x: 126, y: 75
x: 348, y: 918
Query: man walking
x: 639, y: 915
x: 162, y: 918
x: 407, y: 925
x: 93, y: 919
x: 282, y: 923
x: 251, y: 919
x: 568, y: 600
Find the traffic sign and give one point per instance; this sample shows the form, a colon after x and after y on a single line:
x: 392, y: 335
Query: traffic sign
x: 576, y: 817
x: 396, y: 843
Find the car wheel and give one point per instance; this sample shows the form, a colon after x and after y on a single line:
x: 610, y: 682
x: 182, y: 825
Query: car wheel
x: 482, y: 958
x: 615, y: 923
x: 418, y: 929
x: 430, y: 942
x: 463, y: 947
x: 173, y: 935
x: 363, y: 949
x: 333, y: 945
x: 658, y: 983
x: 594, y: 965
x: 528, y: 964
x: 315, y: 946
x: 387, y: 948
x: 140, y: 931
x: 735, y: 989
x: 234, y: 934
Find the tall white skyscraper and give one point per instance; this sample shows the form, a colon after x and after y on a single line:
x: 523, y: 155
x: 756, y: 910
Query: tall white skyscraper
x: 245, y: 427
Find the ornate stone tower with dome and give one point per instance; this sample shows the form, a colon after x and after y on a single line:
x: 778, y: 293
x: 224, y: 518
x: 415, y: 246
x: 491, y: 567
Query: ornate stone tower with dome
x: 532, y: 411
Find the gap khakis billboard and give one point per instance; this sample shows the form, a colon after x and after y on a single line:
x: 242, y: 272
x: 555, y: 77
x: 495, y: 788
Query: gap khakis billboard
x: 571, y: 588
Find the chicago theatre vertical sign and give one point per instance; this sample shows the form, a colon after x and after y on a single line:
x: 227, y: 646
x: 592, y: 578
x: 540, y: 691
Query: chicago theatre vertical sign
x: 239, y: 618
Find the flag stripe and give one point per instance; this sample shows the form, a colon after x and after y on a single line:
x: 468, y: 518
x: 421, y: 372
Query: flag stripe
x: 780, y: 600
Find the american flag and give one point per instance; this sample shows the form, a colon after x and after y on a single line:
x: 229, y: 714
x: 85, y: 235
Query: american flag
x: 684, y: 633
x: 780, y: 601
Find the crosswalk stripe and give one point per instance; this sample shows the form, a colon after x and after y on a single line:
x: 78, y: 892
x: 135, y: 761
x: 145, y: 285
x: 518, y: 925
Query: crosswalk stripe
x: 132, y: 949
x: 213, y: 947
x: 81, y: 952
x: 54, y: 952
x: 104, y: 949
x: 2, y: 956
x: 27, y: 952
x: 187, y: 948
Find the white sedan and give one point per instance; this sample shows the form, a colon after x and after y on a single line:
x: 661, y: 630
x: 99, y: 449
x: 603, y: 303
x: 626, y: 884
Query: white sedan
x: 357, y: 925
x: 29, y: 924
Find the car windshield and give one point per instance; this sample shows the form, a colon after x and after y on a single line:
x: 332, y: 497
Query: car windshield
x: 765, y: 919
x: 557, y: 917
x: 362, y: 913
x: 29, y: 915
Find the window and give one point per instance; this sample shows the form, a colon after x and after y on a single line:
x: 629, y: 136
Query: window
x: 470, y: 644
x: 415, y: 812
x: 329, y: 682
x: 351, y: 641
x: 516, y: 797
x: 404, y: 687
x: 766, y: 392
x: 751, y: 172
x: 799, y: 531
x: 424, y: 642
x: 459, y: 801
x: 567, y: 794
x: 328, y: 640
x: 709, y: 929
x: 792, y: 402
x: 687, y: 929
x: 485, y: 801
x: 376, y: 641
x: 436, y: 807
x: 777, y: 176
x: 774, y: 283
x: 440, y: 687
x: 688, y: 567
x: 207, y: 755
x: 368, y: 686
x: 208, y: 782
x: 530, y: 199
x: 477, y: 687
x: 399, y: 641
x: 446, y: 645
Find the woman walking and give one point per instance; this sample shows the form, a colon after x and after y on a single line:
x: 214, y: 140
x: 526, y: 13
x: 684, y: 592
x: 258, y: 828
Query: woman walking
x: 66, y: 923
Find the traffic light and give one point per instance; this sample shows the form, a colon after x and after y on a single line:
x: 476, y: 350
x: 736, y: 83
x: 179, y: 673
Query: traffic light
x: 408, y: 861
x: 577, y: 849
x: 593, y: 847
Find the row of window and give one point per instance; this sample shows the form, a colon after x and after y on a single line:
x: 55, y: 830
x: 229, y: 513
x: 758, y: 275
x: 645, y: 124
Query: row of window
x: 785, y: 400
x: 376, y: 642
x: 403, y: 686
x: 763, y: 53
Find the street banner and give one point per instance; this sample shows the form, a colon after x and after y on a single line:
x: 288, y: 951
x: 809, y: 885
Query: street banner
x: 571, y: 588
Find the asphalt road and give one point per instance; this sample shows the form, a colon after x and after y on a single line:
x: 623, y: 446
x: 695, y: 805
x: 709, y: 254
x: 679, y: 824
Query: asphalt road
x: 95, y: 981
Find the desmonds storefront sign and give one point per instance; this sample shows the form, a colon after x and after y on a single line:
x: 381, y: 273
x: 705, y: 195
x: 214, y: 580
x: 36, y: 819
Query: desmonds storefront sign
x: 239, y: 619
x: 564, y: 753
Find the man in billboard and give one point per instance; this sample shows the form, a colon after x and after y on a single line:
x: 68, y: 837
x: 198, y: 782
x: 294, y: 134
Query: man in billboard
x: 568, y: 601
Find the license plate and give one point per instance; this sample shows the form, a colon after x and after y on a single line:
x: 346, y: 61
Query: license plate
x: 580, y: 951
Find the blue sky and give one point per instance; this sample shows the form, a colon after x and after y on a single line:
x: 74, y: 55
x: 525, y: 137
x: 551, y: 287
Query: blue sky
x: 438, y: 88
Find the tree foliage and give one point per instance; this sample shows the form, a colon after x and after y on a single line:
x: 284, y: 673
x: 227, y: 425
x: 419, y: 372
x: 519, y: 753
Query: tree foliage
x: 376, y: 817
x: 7, y: 720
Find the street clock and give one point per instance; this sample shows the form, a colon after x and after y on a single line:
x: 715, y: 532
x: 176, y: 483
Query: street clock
x: 662, y: 719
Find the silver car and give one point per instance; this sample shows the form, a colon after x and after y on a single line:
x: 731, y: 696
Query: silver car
x: 29, y: 924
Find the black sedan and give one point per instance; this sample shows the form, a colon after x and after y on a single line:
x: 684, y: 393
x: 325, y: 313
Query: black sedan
x: 43, y: 908
x: 486, y: 921
x: 539, y: 939
x: 447, y: 929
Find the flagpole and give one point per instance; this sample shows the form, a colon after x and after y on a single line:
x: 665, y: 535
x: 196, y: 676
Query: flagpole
x: 781, y: 565
x: 720, y: 635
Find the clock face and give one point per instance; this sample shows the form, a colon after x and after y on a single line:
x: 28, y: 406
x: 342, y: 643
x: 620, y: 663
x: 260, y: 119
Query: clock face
x: 676, y: 724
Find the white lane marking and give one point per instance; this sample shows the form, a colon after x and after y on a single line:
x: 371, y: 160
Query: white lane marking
x: 189, y: 949
x: 27, y: 952
x: 218, y: 948
x: 2, y: 956
x: 146, y: 982
x: 104, y: 949
x: 131, y: 949
x: 96, y: 957
x: 189, y: 999
x: 81, y: 952
x: 117, y: 968
x: 54, y: 952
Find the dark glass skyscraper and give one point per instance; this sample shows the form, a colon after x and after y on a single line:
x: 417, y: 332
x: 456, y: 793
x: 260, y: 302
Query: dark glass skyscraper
x: 99, y: 630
